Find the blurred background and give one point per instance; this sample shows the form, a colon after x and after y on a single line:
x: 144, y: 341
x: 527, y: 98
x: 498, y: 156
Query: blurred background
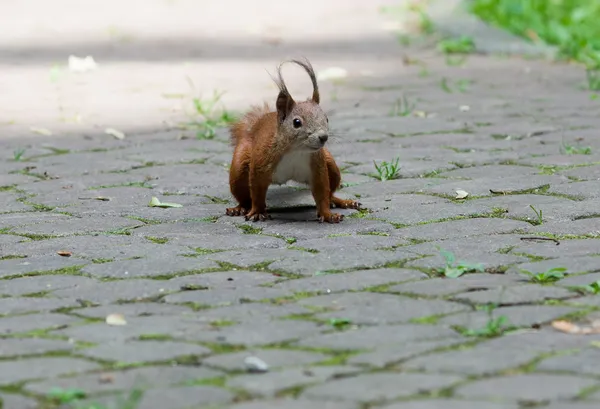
x: 150, y: 58
x: 84, y: 66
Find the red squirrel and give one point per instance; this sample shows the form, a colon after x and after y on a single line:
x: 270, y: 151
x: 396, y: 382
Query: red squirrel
x: 286, y: 144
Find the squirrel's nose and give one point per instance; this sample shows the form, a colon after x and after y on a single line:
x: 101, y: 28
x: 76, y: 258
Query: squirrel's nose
x: 323, y: 138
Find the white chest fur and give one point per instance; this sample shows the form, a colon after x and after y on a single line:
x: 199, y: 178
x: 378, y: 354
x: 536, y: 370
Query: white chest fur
x: 293, y: 166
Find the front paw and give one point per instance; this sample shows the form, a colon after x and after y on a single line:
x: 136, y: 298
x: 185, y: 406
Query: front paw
x: 330, y: 217
x: 236, y: 211
x: 351, y: 204
x: 256, y: 215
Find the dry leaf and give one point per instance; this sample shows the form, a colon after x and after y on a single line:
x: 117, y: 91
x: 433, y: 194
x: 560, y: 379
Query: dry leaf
x: 41, y: 131
x: 461, y: 194
x: 77, y: 64
x: 64, y: 253
x: 115, y: 132
x: 154, y: 202
x: 571, y: 328
x: 115, y: 319
x: 106, y: 378
x: 464, y: 108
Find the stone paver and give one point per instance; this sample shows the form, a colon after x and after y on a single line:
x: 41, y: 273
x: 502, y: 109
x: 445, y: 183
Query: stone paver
x: 347, y: 316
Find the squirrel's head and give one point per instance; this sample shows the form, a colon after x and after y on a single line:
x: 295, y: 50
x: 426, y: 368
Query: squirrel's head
x: 304, y: 124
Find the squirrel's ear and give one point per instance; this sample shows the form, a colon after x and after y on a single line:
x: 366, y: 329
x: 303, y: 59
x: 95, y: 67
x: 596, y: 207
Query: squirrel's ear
x: 285, y: 103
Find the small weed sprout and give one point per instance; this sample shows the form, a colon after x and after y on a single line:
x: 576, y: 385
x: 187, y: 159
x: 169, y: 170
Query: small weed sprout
x: 387, y: 170
x: 454, y: 269
x: 494, y: 327
x: 72, y: 398
x: 539, y: 214
x: 593, y: 288
x: 207, y: 116
x: 460, y: 45
x: 18, y: 154
x: 62, y: 396
x: 548, y: 276
x: 402, y: 107
x: 340, y: 323
x: 575, y: 150
x: 593, y: 79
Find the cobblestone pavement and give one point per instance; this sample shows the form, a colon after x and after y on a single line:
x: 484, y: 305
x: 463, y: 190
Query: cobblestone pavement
x: 350, y: 316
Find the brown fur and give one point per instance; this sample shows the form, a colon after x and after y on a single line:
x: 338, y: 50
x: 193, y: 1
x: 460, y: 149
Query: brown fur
x: 262, y: 138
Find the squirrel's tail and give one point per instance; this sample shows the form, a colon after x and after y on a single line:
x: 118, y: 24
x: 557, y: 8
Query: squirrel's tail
x: 241, y: 129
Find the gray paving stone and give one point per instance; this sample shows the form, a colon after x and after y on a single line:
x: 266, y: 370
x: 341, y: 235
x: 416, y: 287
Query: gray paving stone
x: 289, y: 403
x: 275, y: 358
x: 583, y: 190
x: 41, y: 368
x: 580, y: 362
x: 260, y: 333
x: 379, y: 387
x: 305, y: 263
x: 479, y: 360
x: 450, y: 404
x: 17, y: 402
x: 227, y: 296
x: 16, y: 267
x: 270, y: 383
x: 358, y: 242
x: 143, y: 352
x: 496, y: 171
x: 458, y: 229
x: 528, y: 293
x: 391, y: 354
x: 112, y: 291
x: 101, y: 247
x: 394, y: 187
x: 393, y: 208
x: 250, y: 312
x: 18, y: 324
x: 544, y: 340
x: 573, y: 405
x: 481, y: 186
x: 176, y: 398
x: 368, y: 338
x: 586, y: 226
x: 354, y: 280
x: 74, y: 225
x: 444, y: 286
x: 22, y: 305
x: 374, y: 308
x: 579, y: 280
x: 179, y: 327
x: 125, y: 380
x: 566, y: 248
x: 490, y: 261
x: 32, y: 346
x: 307, y: 231
x: 148, y: 267
x: 42, y: 283
x: 530, y: 387
x: 583, y: 264
x: 524, y: 315
x: 136, y: 309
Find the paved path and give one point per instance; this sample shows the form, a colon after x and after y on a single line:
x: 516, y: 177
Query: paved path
x: 347, y: 316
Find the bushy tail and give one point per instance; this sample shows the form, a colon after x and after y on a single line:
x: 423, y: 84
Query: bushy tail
x: 241, y: 129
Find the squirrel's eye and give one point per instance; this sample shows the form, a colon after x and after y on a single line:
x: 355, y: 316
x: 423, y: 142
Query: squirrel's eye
x: 297, y: 123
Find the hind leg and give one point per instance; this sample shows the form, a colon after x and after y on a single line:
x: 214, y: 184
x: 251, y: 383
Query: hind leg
x: 334, y: 183
x: 239, y: 180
